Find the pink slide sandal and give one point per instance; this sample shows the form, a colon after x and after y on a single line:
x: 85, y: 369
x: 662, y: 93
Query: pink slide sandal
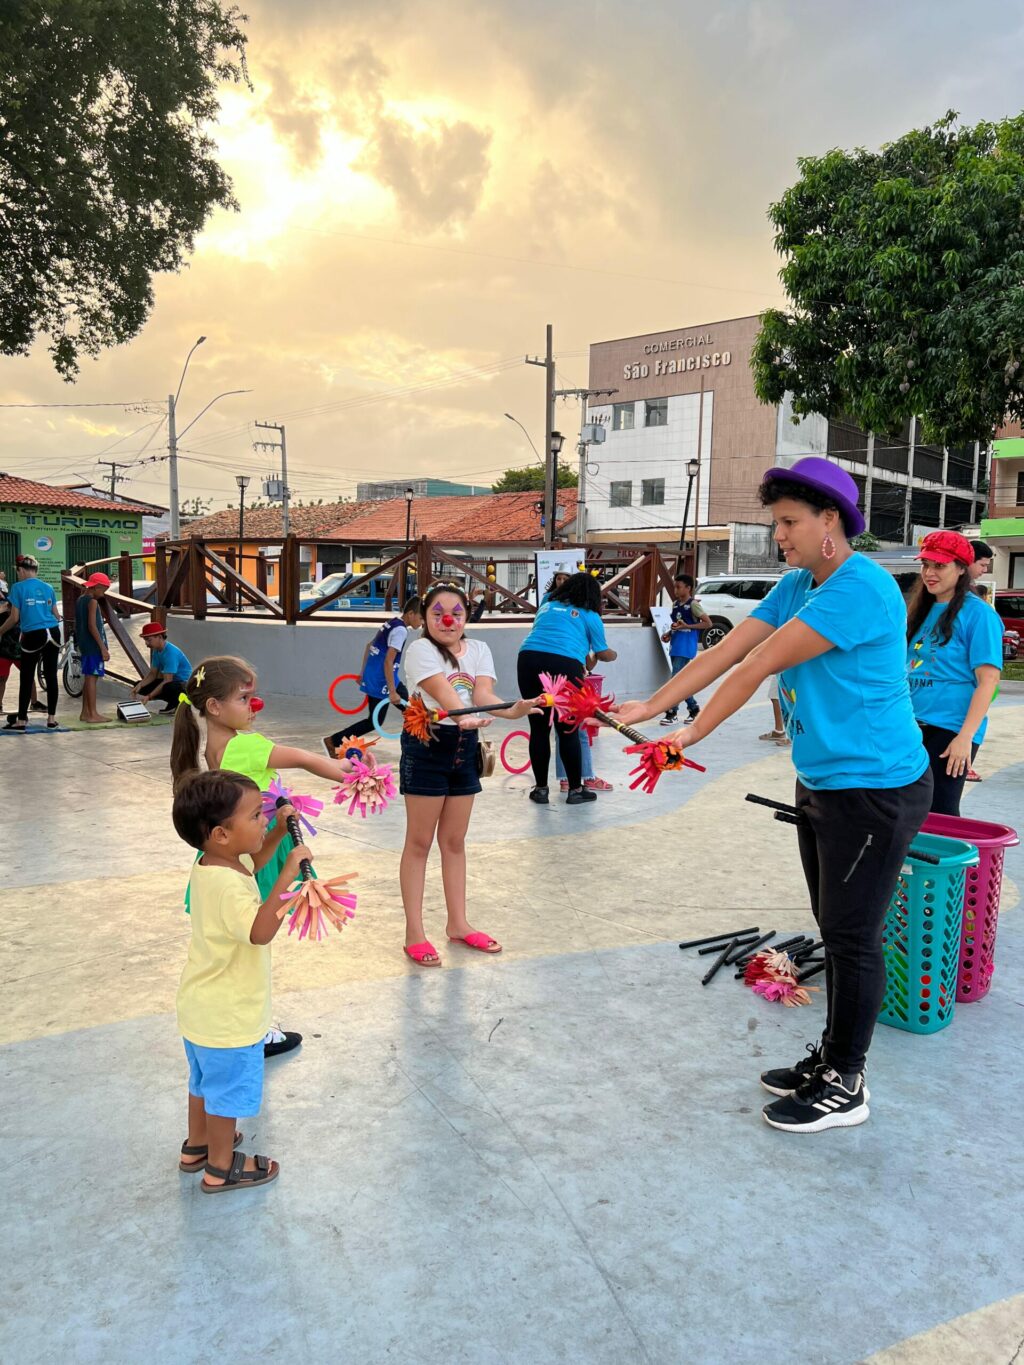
x: 420, y: 951
x: 482, y: 942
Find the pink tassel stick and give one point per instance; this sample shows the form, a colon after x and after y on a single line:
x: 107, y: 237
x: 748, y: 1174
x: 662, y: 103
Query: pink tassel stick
x: 367, y: 790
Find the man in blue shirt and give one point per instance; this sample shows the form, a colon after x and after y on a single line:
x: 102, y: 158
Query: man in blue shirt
x: 169, y: 670
x: 683, y: 637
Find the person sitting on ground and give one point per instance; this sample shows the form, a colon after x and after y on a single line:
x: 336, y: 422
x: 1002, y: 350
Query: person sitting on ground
x: 91, y: 642
x: 378, y: 677
x: 683, y: 637
x: 169, y: 669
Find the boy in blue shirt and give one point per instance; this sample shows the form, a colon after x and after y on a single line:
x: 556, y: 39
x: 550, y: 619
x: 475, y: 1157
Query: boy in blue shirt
x: 683, y: 637
x: 169, y: 669
x: 378, y: 677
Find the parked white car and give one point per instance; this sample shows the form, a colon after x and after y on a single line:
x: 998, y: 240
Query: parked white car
x: 729, y: 599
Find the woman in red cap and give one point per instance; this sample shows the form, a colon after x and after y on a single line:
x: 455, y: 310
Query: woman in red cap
x: 91, y: 641
x: 954, y: 657
x: 834, y: 632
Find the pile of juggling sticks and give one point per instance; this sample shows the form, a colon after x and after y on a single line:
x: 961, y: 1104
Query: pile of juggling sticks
x: 776, y: 970
x: 575, y: 704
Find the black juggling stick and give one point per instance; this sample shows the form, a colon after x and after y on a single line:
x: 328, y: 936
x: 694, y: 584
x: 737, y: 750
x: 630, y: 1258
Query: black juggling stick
x: 718, y: 962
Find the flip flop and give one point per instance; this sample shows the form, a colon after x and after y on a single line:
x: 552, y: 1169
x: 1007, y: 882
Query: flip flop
x: 482, y: 942
x: 186, y: 1150
x: 419, y: 951
x: 236, y: 1177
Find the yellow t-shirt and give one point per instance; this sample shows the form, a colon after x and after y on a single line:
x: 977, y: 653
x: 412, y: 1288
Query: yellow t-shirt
x: 224, y: 995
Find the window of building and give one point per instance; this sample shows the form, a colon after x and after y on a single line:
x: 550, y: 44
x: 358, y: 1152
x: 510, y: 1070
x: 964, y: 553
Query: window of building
x: 622, y: 493
x: 656, y: 412
x: 623, y: 416
x: 652, y: 492
x: 1020, y: 489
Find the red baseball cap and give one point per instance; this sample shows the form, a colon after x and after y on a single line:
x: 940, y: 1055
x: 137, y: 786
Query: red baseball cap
x: 946, y: 547
x: 152, y: 628
x: 97, y: 580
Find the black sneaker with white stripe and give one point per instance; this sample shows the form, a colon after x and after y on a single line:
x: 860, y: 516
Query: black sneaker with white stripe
x: 785, y: 1079
x: 821, y: 1102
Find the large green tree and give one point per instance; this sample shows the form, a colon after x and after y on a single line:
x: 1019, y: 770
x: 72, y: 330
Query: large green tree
x: 530, y: 479
x: 905, y: 274
x: 106, y: 172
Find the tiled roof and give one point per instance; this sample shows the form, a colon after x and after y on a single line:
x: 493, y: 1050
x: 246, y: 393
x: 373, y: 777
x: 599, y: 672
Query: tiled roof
x: 28, y: 493
x: 489, y: 519
x: 266, y: 521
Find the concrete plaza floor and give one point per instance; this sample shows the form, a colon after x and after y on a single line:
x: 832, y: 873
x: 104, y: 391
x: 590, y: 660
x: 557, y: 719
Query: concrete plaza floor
x: 555, y: 1155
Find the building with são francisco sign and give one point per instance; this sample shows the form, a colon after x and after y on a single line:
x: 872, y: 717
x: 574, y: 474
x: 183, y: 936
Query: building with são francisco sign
x: 688, y: 394
x: 62, y: 526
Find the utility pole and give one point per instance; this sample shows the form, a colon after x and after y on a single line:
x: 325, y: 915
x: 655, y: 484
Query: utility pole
x: 172, y: 454
x: 285, y: 491
x: 550, y: 492
x: 585, y: 396
x: 115, y: 477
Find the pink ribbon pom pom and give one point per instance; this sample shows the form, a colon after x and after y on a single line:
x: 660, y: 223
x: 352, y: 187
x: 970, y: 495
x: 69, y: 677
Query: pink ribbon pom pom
x: 306, y: 808
x: 655, y: 758
x: 315, y: 907
x: 367, y: 790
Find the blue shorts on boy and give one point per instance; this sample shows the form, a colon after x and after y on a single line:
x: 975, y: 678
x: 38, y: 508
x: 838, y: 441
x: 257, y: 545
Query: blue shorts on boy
x: 224, y: 995
x: 92, y: 666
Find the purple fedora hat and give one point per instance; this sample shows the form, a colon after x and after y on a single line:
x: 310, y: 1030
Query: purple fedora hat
x: 825, y: 477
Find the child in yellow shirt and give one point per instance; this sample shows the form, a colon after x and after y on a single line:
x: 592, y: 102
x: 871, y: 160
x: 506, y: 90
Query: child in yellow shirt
x: 224, y: 995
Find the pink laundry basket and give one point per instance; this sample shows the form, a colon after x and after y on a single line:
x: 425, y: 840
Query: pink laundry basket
x: 982, y: 890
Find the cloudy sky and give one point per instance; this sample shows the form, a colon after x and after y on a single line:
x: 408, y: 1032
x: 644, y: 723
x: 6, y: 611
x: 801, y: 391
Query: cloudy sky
x: 424, y: 186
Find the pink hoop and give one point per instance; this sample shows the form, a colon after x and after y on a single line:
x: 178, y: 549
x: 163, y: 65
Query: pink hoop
x: 345, y: 677
x: 514, y: 734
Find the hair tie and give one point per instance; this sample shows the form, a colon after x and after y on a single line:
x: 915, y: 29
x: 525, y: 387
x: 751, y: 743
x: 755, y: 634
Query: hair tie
x: 184, y: 699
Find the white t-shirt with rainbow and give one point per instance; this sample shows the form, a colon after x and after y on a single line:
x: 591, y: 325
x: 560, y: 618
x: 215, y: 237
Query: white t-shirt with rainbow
x: 422, y: 659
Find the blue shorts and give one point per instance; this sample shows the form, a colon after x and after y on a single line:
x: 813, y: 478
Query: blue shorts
x: 228, y: 1080
x: 92, y: 666
x: 447, y: 766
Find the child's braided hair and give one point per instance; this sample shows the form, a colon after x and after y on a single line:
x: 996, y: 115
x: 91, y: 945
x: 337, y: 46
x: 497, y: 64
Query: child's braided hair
x: 214, y: 680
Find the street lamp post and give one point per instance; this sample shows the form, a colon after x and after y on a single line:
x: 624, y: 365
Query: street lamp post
x: 243, y: 483
x: 557, y: 440
x: 172, y: 447
x: 405, y: 562
x: 692, y: 470
x: 527, y: 435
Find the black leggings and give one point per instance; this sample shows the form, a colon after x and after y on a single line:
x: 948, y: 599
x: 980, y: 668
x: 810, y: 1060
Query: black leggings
x: 167, y: 692
x: 948, y: 790
x: 531, y: 664
x: 31, y: 653
x: 852, y: 846
x: 366, y: 726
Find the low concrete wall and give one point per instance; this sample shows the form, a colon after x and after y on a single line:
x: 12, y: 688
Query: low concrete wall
x: 301, y: 661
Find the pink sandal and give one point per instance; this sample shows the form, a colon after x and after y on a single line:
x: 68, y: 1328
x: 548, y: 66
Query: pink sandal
x: 597, y: 784
x: 419, y: 951
x: 482, y: 942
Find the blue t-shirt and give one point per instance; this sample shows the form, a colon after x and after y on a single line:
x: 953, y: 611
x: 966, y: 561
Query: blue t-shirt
x: 942, y: 679
x: 848, y: 711
x: 170, y: 659
x: 682, y: 644
x: 36, y: 601
x: 559, y: 628
x: 391, y: 635
x: 84, y: 638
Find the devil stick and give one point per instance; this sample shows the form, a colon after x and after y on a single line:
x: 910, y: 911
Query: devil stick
x: 719, y: 938
x: 718, y: 962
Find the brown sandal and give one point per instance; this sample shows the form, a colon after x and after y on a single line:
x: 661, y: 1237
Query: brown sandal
x: 238, y: 1178
x: 189, y: 1166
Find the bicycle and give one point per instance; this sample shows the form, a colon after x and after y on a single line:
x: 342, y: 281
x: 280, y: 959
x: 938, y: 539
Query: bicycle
x: 69, y: 662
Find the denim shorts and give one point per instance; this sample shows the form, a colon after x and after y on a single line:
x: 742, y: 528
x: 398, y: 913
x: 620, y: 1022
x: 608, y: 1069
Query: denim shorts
x: 92, y: 666
x: 229, y: 1080
x: 447, y: 766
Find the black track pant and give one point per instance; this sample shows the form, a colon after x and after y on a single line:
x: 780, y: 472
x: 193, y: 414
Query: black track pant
x: 532, y: 663
x: 36, y: 645
x: 167, y: 692
x: 948, y: 790
x: 852, y: 846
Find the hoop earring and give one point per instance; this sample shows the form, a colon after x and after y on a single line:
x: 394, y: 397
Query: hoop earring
x: 828, y: 548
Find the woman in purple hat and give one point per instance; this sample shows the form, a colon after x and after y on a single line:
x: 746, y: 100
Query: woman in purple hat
x: 954, y: 658
x: 834, y: 630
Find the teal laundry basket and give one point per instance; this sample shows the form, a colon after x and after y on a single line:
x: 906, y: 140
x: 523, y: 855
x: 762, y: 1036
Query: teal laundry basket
x: 921, y: 939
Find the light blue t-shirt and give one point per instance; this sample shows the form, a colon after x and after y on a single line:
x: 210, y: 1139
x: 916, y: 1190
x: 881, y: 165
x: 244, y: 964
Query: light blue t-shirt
x: 848, y: 711
x: 559, y: 628
x: 36, y: 601
x: 942, y: 679
x: 170, y: 659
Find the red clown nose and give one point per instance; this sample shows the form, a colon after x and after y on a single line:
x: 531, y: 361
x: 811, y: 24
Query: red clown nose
x: 447, y: 621
x: 255, y: 704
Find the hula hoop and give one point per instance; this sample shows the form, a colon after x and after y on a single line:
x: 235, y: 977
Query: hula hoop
x: 514, y: 734
x: 384, y: 734
x: 345, y: 677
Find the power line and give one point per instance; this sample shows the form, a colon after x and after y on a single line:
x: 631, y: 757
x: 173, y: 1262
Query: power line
x: 138, y: 404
